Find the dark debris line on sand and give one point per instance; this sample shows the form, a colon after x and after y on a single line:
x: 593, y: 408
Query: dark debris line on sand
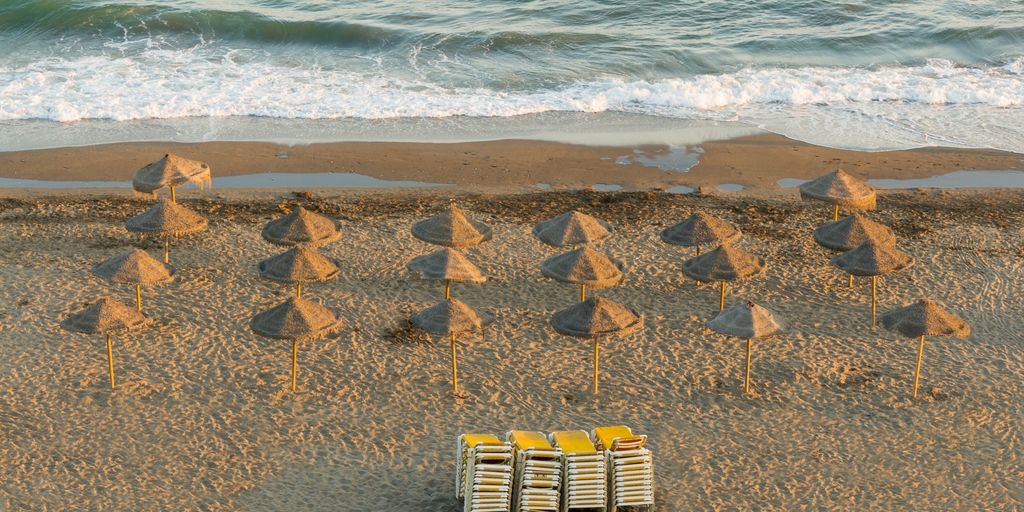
x: 909, y: 213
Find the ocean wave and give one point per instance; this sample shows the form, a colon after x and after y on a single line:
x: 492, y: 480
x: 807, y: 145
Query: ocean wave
x: 170, y: 83
x: 936, y: 103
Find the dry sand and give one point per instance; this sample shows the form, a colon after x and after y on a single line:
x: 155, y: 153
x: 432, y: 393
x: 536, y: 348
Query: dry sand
x: 203, y: 419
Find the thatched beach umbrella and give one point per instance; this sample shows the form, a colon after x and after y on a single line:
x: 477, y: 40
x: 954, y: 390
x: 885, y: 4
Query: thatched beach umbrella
x: 106, y: 316
x: 135, y: 267
x: 446, y: 265
x: 295, y: 319
x: 301, y: 226
x: 452, y: 228
x: 924, y: 318
x: 300, y: 264
x: 585, y: 267
x: 841, y: 190
x: 571, y: 229
x: 873, y: 259
x: 171, y: 171
x: 746, y: 320
x: 725, y: 263
x: 596, y: 317
x: 166, y: 219
x: 451, y: 318
x: 851, y: 231
x: 698, y: 230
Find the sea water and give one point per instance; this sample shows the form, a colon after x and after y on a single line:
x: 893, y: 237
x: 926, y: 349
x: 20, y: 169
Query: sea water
x: 852, y: 74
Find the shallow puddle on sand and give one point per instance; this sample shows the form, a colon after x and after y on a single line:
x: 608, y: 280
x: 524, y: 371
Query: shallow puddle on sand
x: 677, y: 159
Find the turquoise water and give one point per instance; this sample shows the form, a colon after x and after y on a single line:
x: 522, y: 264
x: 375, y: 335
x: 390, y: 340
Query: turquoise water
x: 868, y: 75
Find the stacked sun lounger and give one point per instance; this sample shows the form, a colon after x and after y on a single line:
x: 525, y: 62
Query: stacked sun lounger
x: 583, y: 471
x: 483, y: 476
x: 630, y: 468
x: 607, y: 470
x: 538, y: 469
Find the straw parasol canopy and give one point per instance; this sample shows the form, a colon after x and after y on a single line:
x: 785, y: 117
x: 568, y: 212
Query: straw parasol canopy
x: 106, y: 316
x: 451, y: 318
x: 924, y: 318
x: 301, y: 226
x: 851, y: 231
x: 300, y: 264
x: 596, y: 317
x: 135, y: 267
x: 725, y: 263
x: 171, y: 171
x: 747, y: 320
x: 700, y: 229
x: 873, y: 259
x: 571, y: 229
x: 446, y: 265
x: 585, y: 267
x: 166, y: 219
x: 842, y: 190
x: 295, y: 319
x: 452, y: 228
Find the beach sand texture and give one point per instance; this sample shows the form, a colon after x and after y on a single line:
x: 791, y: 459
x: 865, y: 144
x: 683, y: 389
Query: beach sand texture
x: 203, y: 419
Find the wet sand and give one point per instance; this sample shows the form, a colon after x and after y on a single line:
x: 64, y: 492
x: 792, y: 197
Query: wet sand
x: 203, y: 419
x: 512, y: 165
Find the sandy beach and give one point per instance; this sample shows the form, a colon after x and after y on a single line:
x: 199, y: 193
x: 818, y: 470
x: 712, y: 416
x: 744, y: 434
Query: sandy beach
x: 203, y: 419
x: 381, y: 114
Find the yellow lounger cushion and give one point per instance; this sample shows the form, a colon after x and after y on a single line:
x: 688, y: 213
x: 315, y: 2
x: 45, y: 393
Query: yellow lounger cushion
x: 605, y: 435
x: 472, y: 440
x: 525, y: 440
x: 574, y: 442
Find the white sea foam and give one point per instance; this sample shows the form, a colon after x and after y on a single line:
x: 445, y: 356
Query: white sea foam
x: 935, y: 103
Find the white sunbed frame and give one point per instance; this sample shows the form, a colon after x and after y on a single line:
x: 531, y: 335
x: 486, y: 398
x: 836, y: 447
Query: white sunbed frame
x: 483, y: 476
x: 537, y: 483
x: 584, y: 483
x: 630, y: 472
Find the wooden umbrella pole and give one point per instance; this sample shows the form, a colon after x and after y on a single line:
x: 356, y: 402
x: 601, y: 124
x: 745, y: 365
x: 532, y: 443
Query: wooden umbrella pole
x: 174, y: 197
x: 696, y: 282
x: 298, y: 290
x: 835, y: 213
x: 874, y: 281
x: 746, y: 376
x: 851, y: 280
x: 597, y: 353
x: 295, y: 362
x: 138, y: 297
x: 110, y: 362
x: 721, y: 297
x: 583, y: 293
x: 455, y: 369
x: 167, y: 244
x: 447, y: 289
x: 917, y: 371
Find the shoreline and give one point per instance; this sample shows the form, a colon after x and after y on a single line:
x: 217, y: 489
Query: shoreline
x: 756, y: 162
